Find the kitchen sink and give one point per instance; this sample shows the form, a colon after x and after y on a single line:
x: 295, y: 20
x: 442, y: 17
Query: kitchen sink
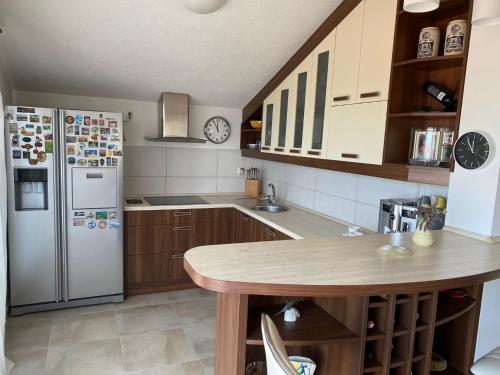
x: 277, y: 208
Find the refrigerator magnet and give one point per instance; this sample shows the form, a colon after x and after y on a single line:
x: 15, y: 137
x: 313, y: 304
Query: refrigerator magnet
x: 101, y: 122
x: 95, y: 121
x: 101, y: 215
x: 81, y: 146
x: 108, y: 162
x: 47, y: 119
x: 70, y: 130
x: 112, y: 124
x: 94, y: 129
x: 49, y: 147
x: 16, y: 154
x: 101, y: 162
x: 114, y: 162
x: 85, y: 131
x: 27, y: 132
x: 91, y: 224
x: 70, y: 139
x: 15, y: 140
x: 82, y: 162
x: 38, y: 129
x: 102, y: 153
x: 70, y: 150
x: 117, y: 153
x: 93, y: 163
x: 79, y: 214
x: 93, y: 144
x: 103, y: 224
x: 69, y: 120
x: 112, y: 215
x: 94, y: 137
x: 90, y: 153
x: 34, y: 118
x: 104, y: 137
x: 71, y: 160
x: 90, y: 215
x: 112, y: 146
x: 114, y: 224
x: 26, y: 154
x: 13, y: 127
x: 79, y: 119
x: 78, y: 222
x: 86, y: 120
x: 83, y: 139
x: 48, y: 136
x: 77, y: 129
x: 20, y: 118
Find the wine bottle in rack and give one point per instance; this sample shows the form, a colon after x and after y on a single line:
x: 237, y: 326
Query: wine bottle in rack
x: 441, y: 95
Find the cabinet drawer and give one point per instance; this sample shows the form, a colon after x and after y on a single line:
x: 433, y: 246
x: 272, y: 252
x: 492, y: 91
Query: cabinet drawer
x: 147, y: 268
x: 135, y: 218
x: 186, y: 236
x: 202, y: 215
x: 176, y: 272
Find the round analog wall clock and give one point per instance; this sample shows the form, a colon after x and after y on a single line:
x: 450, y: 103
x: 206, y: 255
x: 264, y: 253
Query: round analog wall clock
x: 217, y: 129
x: 473, y: 150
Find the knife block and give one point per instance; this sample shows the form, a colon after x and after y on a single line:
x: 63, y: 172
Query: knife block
x: 253, y: 188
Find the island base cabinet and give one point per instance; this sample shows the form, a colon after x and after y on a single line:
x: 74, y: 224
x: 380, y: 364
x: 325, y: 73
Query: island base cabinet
x: 357, y: 132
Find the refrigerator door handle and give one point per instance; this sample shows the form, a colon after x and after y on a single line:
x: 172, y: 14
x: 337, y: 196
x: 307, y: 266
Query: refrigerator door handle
x: 57, y: 205
x: 63, y: 207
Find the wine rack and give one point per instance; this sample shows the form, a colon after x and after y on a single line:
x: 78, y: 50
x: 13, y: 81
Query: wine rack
x: 378, y: 335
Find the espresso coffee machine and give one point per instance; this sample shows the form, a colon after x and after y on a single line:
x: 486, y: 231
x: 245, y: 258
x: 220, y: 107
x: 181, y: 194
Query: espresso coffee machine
x: 397, y: 215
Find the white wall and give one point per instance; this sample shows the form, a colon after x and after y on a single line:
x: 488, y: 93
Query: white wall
x: 474, y: 196
x: 348, y: 197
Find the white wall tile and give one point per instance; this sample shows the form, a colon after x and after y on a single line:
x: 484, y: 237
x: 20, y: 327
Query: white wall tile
x: 299, y: 196
x: 433, y: 190
x: 144, y: 185
x: 300, y: 176
x: 340, y: 208
x: 228, y: 161
x: 366, y: 216
x: 191, y: 162
x: 191, y: 185
x: 336, y: 183
x: 230, y: 184
x: 144, y: 161
x: 371, y: 190
x: 273, y: 170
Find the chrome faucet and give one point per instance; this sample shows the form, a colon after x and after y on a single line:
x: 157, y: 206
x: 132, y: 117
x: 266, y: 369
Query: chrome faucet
x: 271, y: 190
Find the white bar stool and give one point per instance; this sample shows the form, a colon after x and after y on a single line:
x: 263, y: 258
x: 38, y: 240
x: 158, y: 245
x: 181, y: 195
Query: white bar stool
x: 488, y: 365
x: 276, y: 358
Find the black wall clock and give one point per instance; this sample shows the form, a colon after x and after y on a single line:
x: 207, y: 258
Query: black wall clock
x: 473, y: 150
x: 217, y: 129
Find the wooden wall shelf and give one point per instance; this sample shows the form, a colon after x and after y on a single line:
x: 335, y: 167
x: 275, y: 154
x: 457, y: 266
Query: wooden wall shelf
x: 450, y: 309
x: 315, y: 326
x: 438, y: 62
x: 423, y: 115
x: 394, y: 171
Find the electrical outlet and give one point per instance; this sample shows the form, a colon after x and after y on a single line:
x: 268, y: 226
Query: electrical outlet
x: 241, y: 171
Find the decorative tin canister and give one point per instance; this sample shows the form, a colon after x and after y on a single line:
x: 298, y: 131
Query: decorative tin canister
x: 455, y: 37
x: 428, y: 42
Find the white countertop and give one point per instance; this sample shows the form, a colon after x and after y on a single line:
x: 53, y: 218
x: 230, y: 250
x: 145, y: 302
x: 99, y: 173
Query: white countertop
x: 297, y: 223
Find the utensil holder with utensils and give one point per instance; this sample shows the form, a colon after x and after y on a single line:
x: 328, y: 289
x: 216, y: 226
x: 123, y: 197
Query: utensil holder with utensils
x: 253, y: 183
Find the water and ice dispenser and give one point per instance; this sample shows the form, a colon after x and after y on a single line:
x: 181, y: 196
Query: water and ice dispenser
x: 30, y: 189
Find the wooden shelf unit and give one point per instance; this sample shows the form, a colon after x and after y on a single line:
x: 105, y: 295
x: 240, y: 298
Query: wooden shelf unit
x: 409, y: 75
x: 333, y: 332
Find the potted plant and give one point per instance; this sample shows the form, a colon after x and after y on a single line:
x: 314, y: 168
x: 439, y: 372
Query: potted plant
x: 429, y: 215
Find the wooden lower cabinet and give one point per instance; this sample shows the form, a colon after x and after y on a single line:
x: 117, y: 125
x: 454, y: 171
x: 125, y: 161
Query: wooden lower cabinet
x: 155, y: 243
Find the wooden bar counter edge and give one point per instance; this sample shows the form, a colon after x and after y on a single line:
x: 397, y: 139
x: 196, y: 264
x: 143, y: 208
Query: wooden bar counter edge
x: 342, y: 283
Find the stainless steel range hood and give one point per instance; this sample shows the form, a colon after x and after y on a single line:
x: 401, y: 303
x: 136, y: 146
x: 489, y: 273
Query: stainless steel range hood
x: 175, y: 124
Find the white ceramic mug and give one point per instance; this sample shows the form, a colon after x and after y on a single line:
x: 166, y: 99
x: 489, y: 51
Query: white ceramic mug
x: 455, y: 37
x: 428, y: 42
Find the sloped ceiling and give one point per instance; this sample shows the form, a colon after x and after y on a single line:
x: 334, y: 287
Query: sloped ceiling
x: 136, y: 49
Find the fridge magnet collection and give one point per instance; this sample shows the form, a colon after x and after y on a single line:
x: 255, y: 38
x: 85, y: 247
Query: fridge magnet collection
x: 92, y: 142
x: 31, y: 135
x: 96, y: 219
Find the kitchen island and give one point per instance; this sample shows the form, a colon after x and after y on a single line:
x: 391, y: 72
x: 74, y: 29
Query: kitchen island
x: 342, y: 284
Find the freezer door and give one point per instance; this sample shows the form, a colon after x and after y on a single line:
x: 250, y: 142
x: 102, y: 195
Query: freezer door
x: 32, y: 213
x: 94, y: 208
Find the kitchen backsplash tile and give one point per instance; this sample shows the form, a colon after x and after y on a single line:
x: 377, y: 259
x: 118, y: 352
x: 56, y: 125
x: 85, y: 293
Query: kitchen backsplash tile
x: 144, y: 185
x: 339, y: 184
x: 145, y: 161
x: 299, y: 196
x: 191, y: 162
x: 340, y: 208
x: 276, y: 171
x: 230, y: 184
x: 190, y: 185
x: 372, y: 189
x: 297, y: 175
x: 366, y: 216
x: 228, y: 161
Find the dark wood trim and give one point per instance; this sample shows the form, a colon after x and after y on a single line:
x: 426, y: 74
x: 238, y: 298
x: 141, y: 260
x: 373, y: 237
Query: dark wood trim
x: 160, y: 288
x: 394, y: 171
x: 326, y: 28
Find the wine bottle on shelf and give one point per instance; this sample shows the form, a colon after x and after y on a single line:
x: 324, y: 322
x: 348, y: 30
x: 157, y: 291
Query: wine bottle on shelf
x: 441, y: 95
x: 370, y: 324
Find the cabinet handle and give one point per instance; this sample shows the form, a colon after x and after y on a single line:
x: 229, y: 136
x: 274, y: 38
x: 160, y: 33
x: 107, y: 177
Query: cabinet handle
x: 341, y: 98
x: 270, y: 232
x: 265, y: 148
x: 185, y: 228
x: 350, y: 156
x: 177, y: 256
x: 278, y: 149
x: 316, y: 153
x: 370, y: 94
x: 244, y: 218
x: 182, y: 213
x: 294, y: 151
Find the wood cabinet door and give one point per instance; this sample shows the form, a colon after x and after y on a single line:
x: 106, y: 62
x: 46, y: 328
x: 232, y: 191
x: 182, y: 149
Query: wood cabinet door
x: 242, y: 228
x: 270, y: 111
x: 316, y: 131
x: 357, y: 132
x: 300, y: 97
x: 147, y: 268
x: 347, y: 56
x: 284, y: 116
x: 176, y: 272
x: 376, y: 50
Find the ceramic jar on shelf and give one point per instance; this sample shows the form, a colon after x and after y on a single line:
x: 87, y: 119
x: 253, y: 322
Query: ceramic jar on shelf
x: 428, y: 42
x: 455, y: 37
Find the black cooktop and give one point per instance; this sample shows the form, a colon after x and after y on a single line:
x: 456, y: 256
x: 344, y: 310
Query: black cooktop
x: 175, y: 200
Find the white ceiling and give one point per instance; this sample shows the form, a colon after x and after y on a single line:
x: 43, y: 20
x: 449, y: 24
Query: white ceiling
x: 137, y: 49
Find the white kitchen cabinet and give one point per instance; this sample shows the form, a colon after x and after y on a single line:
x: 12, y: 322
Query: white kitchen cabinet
x: 270, y: 109
x: 299, y: 106
x: 347, y: 56
x: 356, y: 132
x: 376, y: 50
x: 315, y: 130
x: 283, y: 115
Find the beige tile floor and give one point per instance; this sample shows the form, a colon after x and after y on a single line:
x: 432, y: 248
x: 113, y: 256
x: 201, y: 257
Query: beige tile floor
x: 155, y: 334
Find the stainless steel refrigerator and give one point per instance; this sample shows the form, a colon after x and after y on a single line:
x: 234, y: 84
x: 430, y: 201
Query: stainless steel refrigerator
x: 65, y: 212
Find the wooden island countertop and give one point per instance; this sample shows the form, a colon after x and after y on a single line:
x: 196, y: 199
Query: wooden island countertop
x: 340, y: 266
